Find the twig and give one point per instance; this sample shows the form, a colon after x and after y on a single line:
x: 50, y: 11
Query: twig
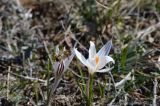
x: 29, y: 78
x: 126, y: 99
x: 77, y: 41
x: 9, y: 69
x: 112, y: 79
x: 1, y: 25
x: 102, y: 5
x: 77, y: 74
x: 30, y: 68
x: 50, y: 58
x: 155, y: 91
x: 45, y: 46
x: 122, y: 82
x: 141, y: 34
x: 111, y: 103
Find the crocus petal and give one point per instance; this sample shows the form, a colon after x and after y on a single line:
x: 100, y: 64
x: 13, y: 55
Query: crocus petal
x: 82, y: 59
x: 55, y: 66
x: 92, y: 61
x: 109, y: 59
x: 105, y: 49
x: 67, y: 61
x: 55, y: 84
x: 102, y: 62
x: 92, y: 50
x: 104, y: 70
x: 60, y: 70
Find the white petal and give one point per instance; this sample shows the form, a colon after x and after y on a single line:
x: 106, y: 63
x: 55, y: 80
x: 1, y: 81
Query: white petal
x: 67, y: 61
x: 81, y: 58
x: 102, y: 62
x: 92, y: 50
x: 104, y: 70
x: 105, y: 49
x: 109, y: 59
x: 92, y: 61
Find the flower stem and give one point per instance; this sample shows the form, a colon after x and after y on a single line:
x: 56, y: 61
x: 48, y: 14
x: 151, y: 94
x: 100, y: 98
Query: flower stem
x: 89, y: 90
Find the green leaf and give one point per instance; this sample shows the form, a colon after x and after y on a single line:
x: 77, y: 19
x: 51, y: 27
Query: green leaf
x: 124, y: 57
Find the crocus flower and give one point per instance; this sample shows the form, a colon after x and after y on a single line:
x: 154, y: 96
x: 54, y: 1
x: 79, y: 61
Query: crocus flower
x: 59, y: 69
x: 96, y: 61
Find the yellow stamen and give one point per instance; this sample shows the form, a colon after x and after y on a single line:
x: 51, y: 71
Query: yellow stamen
x: 97, y: 59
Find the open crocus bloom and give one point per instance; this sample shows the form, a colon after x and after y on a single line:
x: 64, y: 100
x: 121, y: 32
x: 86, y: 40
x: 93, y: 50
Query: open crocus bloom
x: 96, y: 61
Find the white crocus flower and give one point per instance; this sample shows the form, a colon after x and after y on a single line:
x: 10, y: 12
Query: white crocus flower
x: 59, y: 69
x: 96, y: 61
